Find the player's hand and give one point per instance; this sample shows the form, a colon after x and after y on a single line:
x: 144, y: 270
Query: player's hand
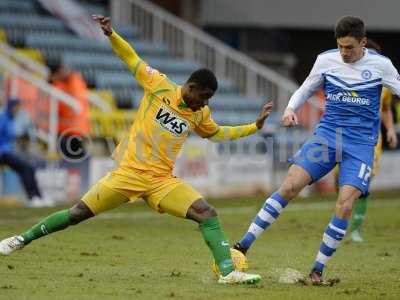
x: 391, y: 138
x: 105, y: 23
x: 289, y: 118
x: 264, y: 113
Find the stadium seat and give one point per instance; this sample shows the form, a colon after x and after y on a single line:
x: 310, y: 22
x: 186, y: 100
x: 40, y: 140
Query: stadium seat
x: 234, y: 102
x: 34, y: 22
x: 233, y: 118
x: 18, y: 27
x: 18, y: 7
x: 102, y: 69
x: 71, y: 43
x: 94, y: 8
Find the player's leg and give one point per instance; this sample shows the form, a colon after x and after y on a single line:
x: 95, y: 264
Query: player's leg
x: 294, y: 182
x: 98, y: 199
x: 335, y: 230
x: 313, y: 161
x: 360, y: 207
x: 210, y: 228
x: 184, y: 201
x: 357, y: 219
x: 354, y: 180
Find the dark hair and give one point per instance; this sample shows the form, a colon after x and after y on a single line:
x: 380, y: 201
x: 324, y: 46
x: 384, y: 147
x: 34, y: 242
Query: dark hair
x: 204, y: 78
x: 54, y: 66
x: 373, y: 45
x: 350, y: 26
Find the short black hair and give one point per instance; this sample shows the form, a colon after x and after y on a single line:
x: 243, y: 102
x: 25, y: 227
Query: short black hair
x: 204, y: 78
x: 54, y: 66
x: 350, y: 26
x: 371, y: 44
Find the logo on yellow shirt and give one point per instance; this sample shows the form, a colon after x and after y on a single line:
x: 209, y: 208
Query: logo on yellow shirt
x: 171, y: 122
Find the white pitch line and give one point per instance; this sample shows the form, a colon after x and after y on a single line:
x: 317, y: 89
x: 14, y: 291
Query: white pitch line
x: 222, y: 211
x: 249, y: 209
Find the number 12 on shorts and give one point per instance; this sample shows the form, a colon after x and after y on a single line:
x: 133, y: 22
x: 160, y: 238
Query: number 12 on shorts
x: 365, y: 173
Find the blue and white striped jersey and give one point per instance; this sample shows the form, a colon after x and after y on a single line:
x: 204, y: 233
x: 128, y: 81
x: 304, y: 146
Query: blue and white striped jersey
x: 352, y: 92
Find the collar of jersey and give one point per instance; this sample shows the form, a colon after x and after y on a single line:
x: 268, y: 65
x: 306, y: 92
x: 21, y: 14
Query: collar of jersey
x: 182, y: 104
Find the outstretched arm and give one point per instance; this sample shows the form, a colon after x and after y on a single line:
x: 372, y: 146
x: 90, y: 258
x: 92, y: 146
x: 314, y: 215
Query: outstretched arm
x: 120, y: 47
x: 304, y: 92
x: 144, y: 74
x: 229, y: 133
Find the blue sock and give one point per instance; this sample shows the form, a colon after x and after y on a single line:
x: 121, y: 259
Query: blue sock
x: 332, y: 237
x: 270, y: 211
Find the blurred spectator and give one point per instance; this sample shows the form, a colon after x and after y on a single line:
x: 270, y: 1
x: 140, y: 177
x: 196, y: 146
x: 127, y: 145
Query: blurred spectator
x: 7, y: 156
x: 72, y: 126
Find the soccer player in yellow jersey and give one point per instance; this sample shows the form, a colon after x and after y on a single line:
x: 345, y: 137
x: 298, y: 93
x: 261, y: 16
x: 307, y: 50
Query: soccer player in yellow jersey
x: 145, y: 160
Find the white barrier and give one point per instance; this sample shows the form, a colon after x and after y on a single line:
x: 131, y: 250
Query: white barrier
x: 388, y: 172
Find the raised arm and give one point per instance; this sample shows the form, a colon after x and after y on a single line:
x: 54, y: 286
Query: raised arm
x: 304, y: 92
x: 120, y: 47
x: 124, y: 51
x: 144, y: 74
x: 209, y: 129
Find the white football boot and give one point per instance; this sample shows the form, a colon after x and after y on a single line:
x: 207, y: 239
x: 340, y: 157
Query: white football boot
x: 237, y: 277
x: 9, y: 245
x: 37, y: 202
x: 356, y: 236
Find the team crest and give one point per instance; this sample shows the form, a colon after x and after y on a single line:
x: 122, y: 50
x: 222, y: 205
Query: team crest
x: 171, y: 122
x: 150, y: 70
x: 366, y: 74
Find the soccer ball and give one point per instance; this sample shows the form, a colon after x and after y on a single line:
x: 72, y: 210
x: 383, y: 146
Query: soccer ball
x: 239, y: 262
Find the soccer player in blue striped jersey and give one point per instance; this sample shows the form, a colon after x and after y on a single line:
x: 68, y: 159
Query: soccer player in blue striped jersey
x: 352, y: 78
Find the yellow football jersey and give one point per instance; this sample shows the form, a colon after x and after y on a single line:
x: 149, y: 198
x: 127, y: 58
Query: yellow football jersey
x: 163, y: 120
x: 386, y: 97
x: 386, y: 100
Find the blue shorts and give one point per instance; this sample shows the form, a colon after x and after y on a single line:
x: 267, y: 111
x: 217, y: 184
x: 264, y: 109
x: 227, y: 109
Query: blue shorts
x: 355, y: 162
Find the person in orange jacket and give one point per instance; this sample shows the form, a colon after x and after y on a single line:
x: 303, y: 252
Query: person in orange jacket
x: 72, y: 126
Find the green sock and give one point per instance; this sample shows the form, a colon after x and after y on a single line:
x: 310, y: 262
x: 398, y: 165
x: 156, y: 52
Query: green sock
x: 219, y: 246
x: 55, y: 222
x: 360, y: 208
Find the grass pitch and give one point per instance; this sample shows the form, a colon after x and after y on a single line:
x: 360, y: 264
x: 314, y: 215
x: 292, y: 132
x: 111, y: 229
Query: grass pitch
x: 134, y: 253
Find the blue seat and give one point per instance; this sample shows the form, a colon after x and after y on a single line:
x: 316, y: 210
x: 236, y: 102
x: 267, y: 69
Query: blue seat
x: 126, y: 31
x: 69, y: 42
x: 36, y: 22
x: 108, y: 62
x: 94, y: 9
x: 233, y: 117
x: 125, y: 78
x: 126, y: 98
x: 115, y: 79
x: 18, y: 7
x: 234, y: 102
x: 171, y: 65
x: 223, y: 85
x: 18, y: 27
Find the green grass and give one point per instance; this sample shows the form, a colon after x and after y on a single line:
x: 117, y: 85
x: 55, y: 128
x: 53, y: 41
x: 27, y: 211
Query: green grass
x: 134, y: 253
